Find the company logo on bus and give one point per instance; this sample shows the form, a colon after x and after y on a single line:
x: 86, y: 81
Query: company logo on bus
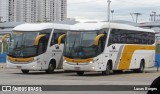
x: 57, y: 46
x: 113, y: 49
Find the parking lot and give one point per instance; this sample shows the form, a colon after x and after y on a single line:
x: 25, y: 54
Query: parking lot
x: 15, y: 77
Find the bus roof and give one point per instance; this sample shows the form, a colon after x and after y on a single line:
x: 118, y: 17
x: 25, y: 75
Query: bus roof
x: 40, y: 26
x: 101, y: 25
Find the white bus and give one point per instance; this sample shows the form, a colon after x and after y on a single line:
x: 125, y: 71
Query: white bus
x: 105, y: 47
x: 35, y: 47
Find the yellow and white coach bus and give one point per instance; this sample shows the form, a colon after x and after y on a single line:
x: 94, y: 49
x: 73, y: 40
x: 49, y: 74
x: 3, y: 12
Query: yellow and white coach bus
x: 35, y: 47
x: 103, y: 47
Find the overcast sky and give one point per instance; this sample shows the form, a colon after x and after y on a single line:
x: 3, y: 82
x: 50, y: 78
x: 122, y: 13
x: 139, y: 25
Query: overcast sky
x: 97, y: 9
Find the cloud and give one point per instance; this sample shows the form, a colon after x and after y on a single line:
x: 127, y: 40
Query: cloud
x: 97, y: 9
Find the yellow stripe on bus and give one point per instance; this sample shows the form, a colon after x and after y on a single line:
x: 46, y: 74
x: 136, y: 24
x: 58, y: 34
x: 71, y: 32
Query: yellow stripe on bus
x: 20, y: 59
x: 128, y: 53
x: 78, y: 60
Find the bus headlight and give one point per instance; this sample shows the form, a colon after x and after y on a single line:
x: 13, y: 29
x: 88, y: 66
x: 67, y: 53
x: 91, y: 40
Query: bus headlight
x: 34, y: 60
x: 91, y: 62
x: 64, y: 61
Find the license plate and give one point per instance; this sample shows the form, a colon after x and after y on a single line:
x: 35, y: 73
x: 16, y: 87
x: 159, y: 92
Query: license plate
x: 19, y: 67
x: 77, y: 68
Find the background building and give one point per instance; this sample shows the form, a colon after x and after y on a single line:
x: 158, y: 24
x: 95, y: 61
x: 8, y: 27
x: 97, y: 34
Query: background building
x: 4, y: 10
x: 33, y: 10
x: 53, y: 10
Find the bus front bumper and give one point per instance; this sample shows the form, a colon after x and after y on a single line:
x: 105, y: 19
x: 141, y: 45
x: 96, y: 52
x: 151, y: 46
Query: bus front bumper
x: 68, y: 66
x: 25, y: 66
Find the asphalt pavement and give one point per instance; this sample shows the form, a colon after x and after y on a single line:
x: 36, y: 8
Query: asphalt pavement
x: 15, y: 77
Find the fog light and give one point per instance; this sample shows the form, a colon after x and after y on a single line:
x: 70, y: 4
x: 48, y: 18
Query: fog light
x: 33, y: 66
x: 93, y: 68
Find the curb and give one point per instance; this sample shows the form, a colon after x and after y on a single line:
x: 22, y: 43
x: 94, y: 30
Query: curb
x: 2, y: 65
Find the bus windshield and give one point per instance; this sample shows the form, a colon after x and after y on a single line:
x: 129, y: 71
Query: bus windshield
x: 80, y: 44
x: 22, y: 44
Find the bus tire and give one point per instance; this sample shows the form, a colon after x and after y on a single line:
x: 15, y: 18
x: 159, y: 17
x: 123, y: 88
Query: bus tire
x: 141, y: 68
x: 80, y: 73
x: 25, y: 71
x: 108, y: 69
x: 117, y: 71
x: 51, y: 68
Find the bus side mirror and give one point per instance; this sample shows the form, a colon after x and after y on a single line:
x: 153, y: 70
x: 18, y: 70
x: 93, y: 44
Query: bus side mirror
x: 38, y: 39
x: 60, y: 39
x: 96, y: 41
x: 4, y: 37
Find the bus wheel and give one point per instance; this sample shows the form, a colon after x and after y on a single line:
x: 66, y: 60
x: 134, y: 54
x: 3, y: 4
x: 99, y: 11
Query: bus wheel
x: 108, y: 69
x: 25, y: 71
x: 117, y: 71
x: 141, y: 68
x: 80, y: 73
x: 51, y: 68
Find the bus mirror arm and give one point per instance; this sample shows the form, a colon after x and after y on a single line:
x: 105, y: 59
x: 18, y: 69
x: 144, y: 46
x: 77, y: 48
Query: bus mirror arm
x: 4, y: 37
x: 60, y: 38
x: 38, y: 39
x: 96, y: 41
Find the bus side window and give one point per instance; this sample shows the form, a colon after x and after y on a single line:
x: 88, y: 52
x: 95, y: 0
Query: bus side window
x: 52, y: 40
x: 55, y: 37
x: 131, y: 37
x: 42, y: 46
x: 102, y: 42
x: 46, y: 38
x: 101, y: 45
x: 113, y: 38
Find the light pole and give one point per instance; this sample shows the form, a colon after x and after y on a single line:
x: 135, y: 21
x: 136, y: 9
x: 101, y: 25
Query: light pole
x: 154, y: 13
x: 151, y: 17
x: 109, y: 2
x: 132, y: 16
x: 136, y: 14
x: 112, y: 11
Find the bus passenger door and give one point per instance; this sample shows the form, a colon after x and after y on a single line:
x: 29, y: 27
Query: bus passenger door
x: 101, y: 53
x: 42, y: 46
x: 55, y: 51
